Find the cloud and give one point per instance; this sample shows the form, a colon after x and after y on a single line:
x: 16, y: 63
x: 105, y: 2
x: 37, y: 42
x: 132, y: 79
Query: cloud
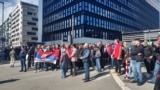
x: 9, y: 5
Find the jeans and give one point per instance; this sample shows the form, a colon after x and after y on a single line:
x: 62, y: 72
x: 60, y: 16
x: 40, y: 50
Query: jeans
x: 118, y: 65
x: 86, y: 69
x: 98, y: 65
x: 130, y: 70
x: 156, y: 70
x: 63, y: 69
x: 136, y: 68
x: 23, y: 64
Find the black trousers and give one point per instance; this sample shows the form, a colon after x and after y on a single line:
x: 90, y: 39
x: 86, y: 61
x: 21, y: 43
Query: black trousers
x: 102, y: 62
x: 74, y: 68
x: 70, y: 67
x: 118, y: 65
x: 80, y: 64
x: 148, y: 66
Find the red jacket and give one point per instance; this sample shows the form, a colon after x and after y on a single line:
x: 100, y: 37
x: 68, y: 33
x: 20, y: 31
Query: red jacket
x: 109, y: 49
x: 117, y: 51
x: 69, y: 51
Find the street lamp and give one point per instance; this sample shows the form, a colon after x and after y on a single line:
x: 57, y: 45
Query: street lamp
x: 2, y: 23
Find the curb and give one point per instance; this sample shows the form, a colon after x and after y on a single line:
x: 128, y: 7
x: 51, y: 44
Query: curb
x: 120, y: 83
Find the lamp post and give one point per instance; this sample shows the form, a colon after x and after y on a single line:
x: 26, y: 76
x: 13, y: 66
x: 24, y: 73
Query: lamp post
x: 2, y: 23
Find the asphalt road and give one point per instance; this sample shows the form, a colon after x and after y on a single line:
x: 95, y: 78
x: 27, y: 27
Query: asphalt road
x: 12, y: 79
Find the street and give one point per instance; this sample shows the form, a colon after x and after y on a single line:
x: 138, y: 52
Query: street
x: 12, y: 79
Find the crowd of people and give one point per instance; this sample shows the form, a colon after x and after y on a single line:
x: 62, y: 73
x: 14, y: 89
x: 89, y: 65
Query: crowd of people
x: 76, y: 57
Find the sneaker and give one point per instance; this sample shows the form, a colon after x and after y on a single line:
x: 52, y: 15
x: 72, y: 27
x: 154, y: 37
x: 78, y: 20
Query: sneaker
x: 86, y: 80
x: 150, y: 81
x: 140, y: 83
x: 114, y: 72
x: 134, y: 81
x: 118, y: 74
x: 21, y: 71
x: 148, y: 75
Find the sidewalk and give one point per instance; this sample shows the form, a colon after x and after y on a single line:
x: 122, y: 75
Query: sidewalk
x: 132, y: 86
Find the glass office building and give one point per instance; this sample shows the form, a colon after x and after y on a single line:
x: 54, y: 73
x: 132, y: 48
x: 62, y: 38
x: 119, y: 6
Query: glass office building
x: 102, y: 19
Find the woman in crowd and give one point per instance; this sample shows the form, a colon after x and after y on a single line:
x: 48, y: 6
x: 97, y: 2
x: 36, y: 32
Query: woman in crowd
x: 125, y: 55
x: 97, y: 58
x: 73, y: 57
x: 63, y: 61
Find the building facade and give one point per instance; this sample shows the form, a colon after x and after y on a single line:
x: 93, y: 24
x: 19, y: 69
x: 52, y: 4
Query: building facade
x: 95, y: 19
x: 24, y: 24
x: 4, y: 32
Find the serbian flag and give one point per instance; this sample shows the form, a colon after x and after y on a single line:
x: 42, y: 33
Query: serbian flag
x: 49, y: 57
x: 38, y: 55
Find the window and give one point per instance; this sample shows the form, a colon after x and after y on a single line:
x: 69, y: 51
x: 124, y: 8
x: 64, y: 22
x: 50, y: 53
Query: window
x: 34, y: 38
x: 82, y: 19
x: 31, y: 33
x: 31, y: 23
x: 29, y: 13
x: 35, y: 29
x: 35, y: 19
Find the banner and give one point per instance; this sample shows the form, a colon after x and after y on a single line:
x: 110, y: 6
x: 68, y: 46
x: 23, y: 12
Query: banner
x: 45, y: 58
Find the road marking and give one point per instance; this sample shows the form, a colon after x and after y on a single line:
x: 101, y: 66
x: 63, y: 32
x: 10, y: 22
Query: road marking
x: 120, y: 82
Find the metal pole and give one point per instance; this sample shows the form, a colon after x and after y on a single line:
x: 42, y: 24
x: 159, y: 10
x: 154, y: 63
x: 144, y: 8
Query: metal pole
x: 2, y: 23
x: 149, y: 35
x: 72, y: 28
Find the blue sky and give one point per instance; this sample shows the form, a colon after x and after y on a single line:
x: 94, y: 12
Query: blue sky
x: 9, y: 6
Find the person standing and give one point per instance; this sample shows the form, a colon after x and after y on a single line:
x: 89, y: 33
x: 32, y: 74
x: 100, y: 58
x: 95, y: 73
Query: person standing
x: 156, y: 53
x: 109, y: 51
x: 85, y: 59
x: 74, y: 59
x: 125, y: 55
x: 136, y: 63
x: 80, y: 50
x: 63, y: 61
x: 117, y: 56
x: 148, y: 56
x: 69, y: 52
x: 22, y: 57
x: 102, y: 61
x: 12, y: 55
x: 97, y: 58
x: 30, y: 57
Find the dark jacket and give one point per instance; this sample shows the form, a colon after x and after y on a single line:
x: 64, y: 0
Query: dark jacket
x: 156, y: 52
x: 22, y: 54
x: 86, y: 55
x: 148, y: 51
x: 135, y: 50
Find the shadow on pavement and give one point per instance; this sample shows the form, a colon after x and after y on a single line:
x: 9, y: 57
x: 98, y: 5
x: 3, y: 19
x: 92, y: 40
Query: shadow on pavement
x: 8, y: 81
x: 99, y: 75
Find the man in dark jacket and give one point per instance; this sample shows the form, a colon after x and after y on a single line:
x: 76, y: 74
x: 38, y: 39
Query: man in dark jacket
x: 136, y: 62
x: 22, y: 57
x: 156, y: 53
x: 148, y: 55
x: 85, y: 59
